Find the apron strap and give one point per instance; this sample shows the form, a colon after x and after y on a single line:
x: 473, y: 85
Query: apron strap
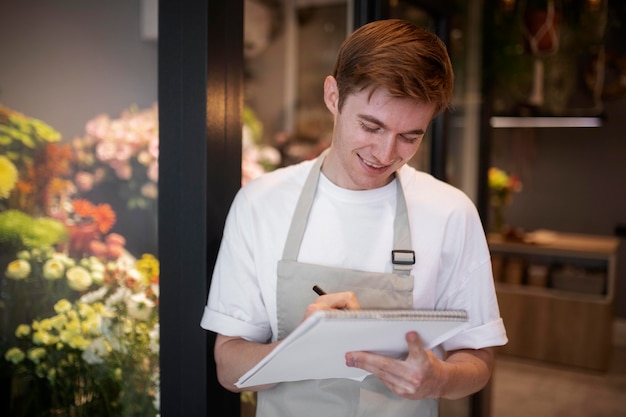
x: 301, y: 214
x: 402, y: 255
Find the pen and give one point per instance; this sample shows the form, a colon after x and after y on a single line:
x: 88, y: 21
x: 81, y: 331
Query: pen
x: 318, y: 290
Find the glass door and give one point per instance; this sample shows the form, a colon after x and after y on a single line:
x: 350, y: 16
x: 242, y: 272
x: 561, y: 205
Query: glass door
x: 79, y: 268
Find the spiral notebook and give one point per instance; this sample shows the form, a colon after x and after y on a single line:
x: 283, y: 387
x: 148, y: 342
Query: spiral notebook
x: 316, y: 348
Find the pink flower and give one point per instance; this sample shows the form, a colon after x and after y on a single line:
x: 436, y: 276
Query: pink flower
x: 153, y: 171
x: 123, y: 152
x: 115, y: 239
x: 105, y: 151
x: 150, y: 190
x: 123, y: 170
x: 97, y: 248
x: 84, y: 181
x: 153, y: 146
x: 98, y: 126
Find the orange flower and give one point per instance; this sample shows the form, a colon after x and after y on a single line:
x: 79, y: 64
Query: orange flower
x: 83, y: 208
x: 24, y: 187
x: 104, y: 217
x: 102, y: 214
x: 58, y: 187
x: 56, y: 160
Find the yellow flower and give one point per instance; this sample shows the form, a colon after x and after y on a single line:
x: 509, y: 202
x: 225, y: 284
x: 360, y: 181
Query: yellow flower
x: 78, y: 278
x: 92, y: 325
x: 36, y: 354
x: 41, y: 337
x: 58, y: 321
x: 14, y: 355
x: 45, y: 325
x: 8, y: 176
x: 498, y: 179
x: 22, y: 330
x: 18, y: 269
x: 71, y: 327
x: 62, y: 306
x: 53, y: 269
x: 78, y: 341
x: 148, y: 265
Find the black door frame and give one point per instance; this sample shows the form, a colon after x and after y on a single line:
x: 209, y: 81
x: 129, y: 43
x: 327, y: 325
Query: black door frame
x: 200, y: 105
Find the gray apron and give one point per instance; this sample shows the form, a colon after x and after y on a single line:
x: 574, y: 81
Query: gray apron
x: 340, y: 397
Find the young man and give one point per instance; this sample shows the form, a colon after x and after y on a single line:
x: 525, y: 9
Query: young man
x: 335, y: 221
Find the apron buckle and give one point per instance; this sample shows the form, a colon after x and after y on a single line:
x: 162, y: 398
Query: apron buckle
x: 402, y: 257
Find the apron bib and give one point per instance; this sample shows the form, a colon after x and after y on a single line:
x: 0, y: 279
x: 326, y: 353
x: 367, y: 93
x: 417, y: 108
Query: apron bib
x: 340, y: 397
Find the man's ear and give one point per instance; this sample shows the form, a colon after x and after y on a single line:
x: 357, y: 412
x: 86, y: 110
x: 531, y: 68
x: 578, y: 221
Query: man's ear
x: 331, y: 94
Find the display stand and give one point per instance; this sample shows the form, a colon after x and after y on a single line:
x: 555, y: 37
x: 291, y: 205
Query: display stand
x: 556, y: 297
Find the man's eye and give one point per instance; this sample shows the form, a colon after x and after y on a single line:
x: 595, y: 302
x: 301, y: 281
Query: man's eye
x: 367, y: 128
x: 409, y: 139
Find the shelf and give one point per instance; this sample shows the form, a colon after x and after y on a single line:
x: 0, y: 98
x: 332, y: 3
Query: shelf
x: 528, y: 122
x: 550, y: 293
x: 556, y: 296
x: 558, y: 244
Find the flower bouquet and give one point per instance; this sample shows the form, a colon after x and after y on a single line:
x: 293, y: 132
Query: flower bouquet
x: 501, y: 187
x: 122, y: 151
x: 79, y: 329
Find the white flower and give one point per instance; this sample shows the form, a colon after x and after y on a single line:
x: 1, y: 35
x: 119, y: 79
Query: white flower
x: 18, y: 269
x: 64, y: 259
x: 53, y: 269
x: 119, y: 295
x: 98, y: 277
x: 93, y: 296
x: 23, y: 254
x: 96, y: 351
x: 139, y: 306
x: 78, y: 278
x: 155, y: 338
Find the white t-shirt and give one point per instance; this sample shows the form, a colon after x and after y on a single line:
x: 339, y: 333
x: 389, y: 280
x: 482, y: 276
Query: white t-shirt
x: 353, y: 229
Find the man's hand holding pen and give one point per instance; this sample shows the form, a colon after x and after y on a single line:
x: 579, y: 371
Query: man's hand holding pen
x: 328, y: 301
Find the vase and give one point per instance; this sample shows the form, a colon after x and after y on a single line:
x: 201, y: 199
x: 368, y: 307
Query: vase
x: 497, y: 219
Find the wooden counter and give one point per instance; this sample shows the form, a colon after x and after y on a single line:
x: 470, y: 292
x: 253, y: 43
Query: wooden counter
x: 556, y: 297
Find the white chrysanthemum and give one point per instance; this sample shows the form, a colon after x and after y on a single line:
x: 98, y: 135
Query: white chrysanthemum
x: 139, y: 306
x: 93, y: 296
x: 96, y: 352
x: 53, y: 269
x: 78, y: 278
x: 118, y: 296
x: 64, y: 259
x: 18, y: 269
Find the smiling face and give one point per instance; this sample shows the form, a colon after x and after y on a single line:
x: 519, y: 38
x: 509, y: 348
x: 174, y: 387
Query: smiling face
x: 374, y: 135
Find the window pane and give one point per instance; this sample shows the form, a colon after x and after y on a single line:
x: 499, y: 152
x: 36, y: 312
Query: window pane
x: 79, y: 269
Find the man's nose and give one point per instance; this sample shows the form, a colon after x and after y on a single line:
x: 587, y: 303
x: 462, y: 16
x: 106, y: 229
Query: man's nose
x: 386, y: 149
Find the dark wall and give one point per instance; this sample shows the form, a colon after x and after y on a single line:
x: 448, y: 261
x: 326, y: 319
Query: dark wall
x: 66, y: 61
x: 574, y: 180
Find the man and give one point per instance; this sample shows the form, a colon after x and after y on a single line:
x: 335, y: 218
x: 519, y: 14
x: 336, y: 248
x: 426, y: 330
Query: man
x: 335, y: 221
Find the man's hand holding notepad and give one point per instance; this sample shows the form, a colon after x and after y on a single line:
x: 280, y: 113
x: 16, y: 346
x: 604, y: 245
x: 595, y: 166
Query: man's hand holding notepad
x: 316, y: 348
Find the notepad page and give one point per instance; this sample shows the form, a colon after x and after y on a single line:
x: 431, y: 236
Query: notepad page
x: 316, y: 349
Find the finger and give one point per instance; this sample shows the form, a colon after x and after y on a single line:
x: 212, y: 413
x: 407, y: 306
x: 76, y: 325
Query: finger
x: 415, y: 347
x: 346, y: 300
x: 388, y: 370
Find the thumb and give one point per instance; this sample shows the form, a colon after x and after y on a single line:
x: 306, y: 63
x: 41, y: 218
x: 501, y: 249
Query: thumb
x: 415, y: 345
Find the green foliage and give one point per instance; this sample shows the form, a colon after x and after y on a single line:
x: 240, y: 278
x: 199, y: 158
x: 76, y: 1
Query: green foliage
x: 21, y: 230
